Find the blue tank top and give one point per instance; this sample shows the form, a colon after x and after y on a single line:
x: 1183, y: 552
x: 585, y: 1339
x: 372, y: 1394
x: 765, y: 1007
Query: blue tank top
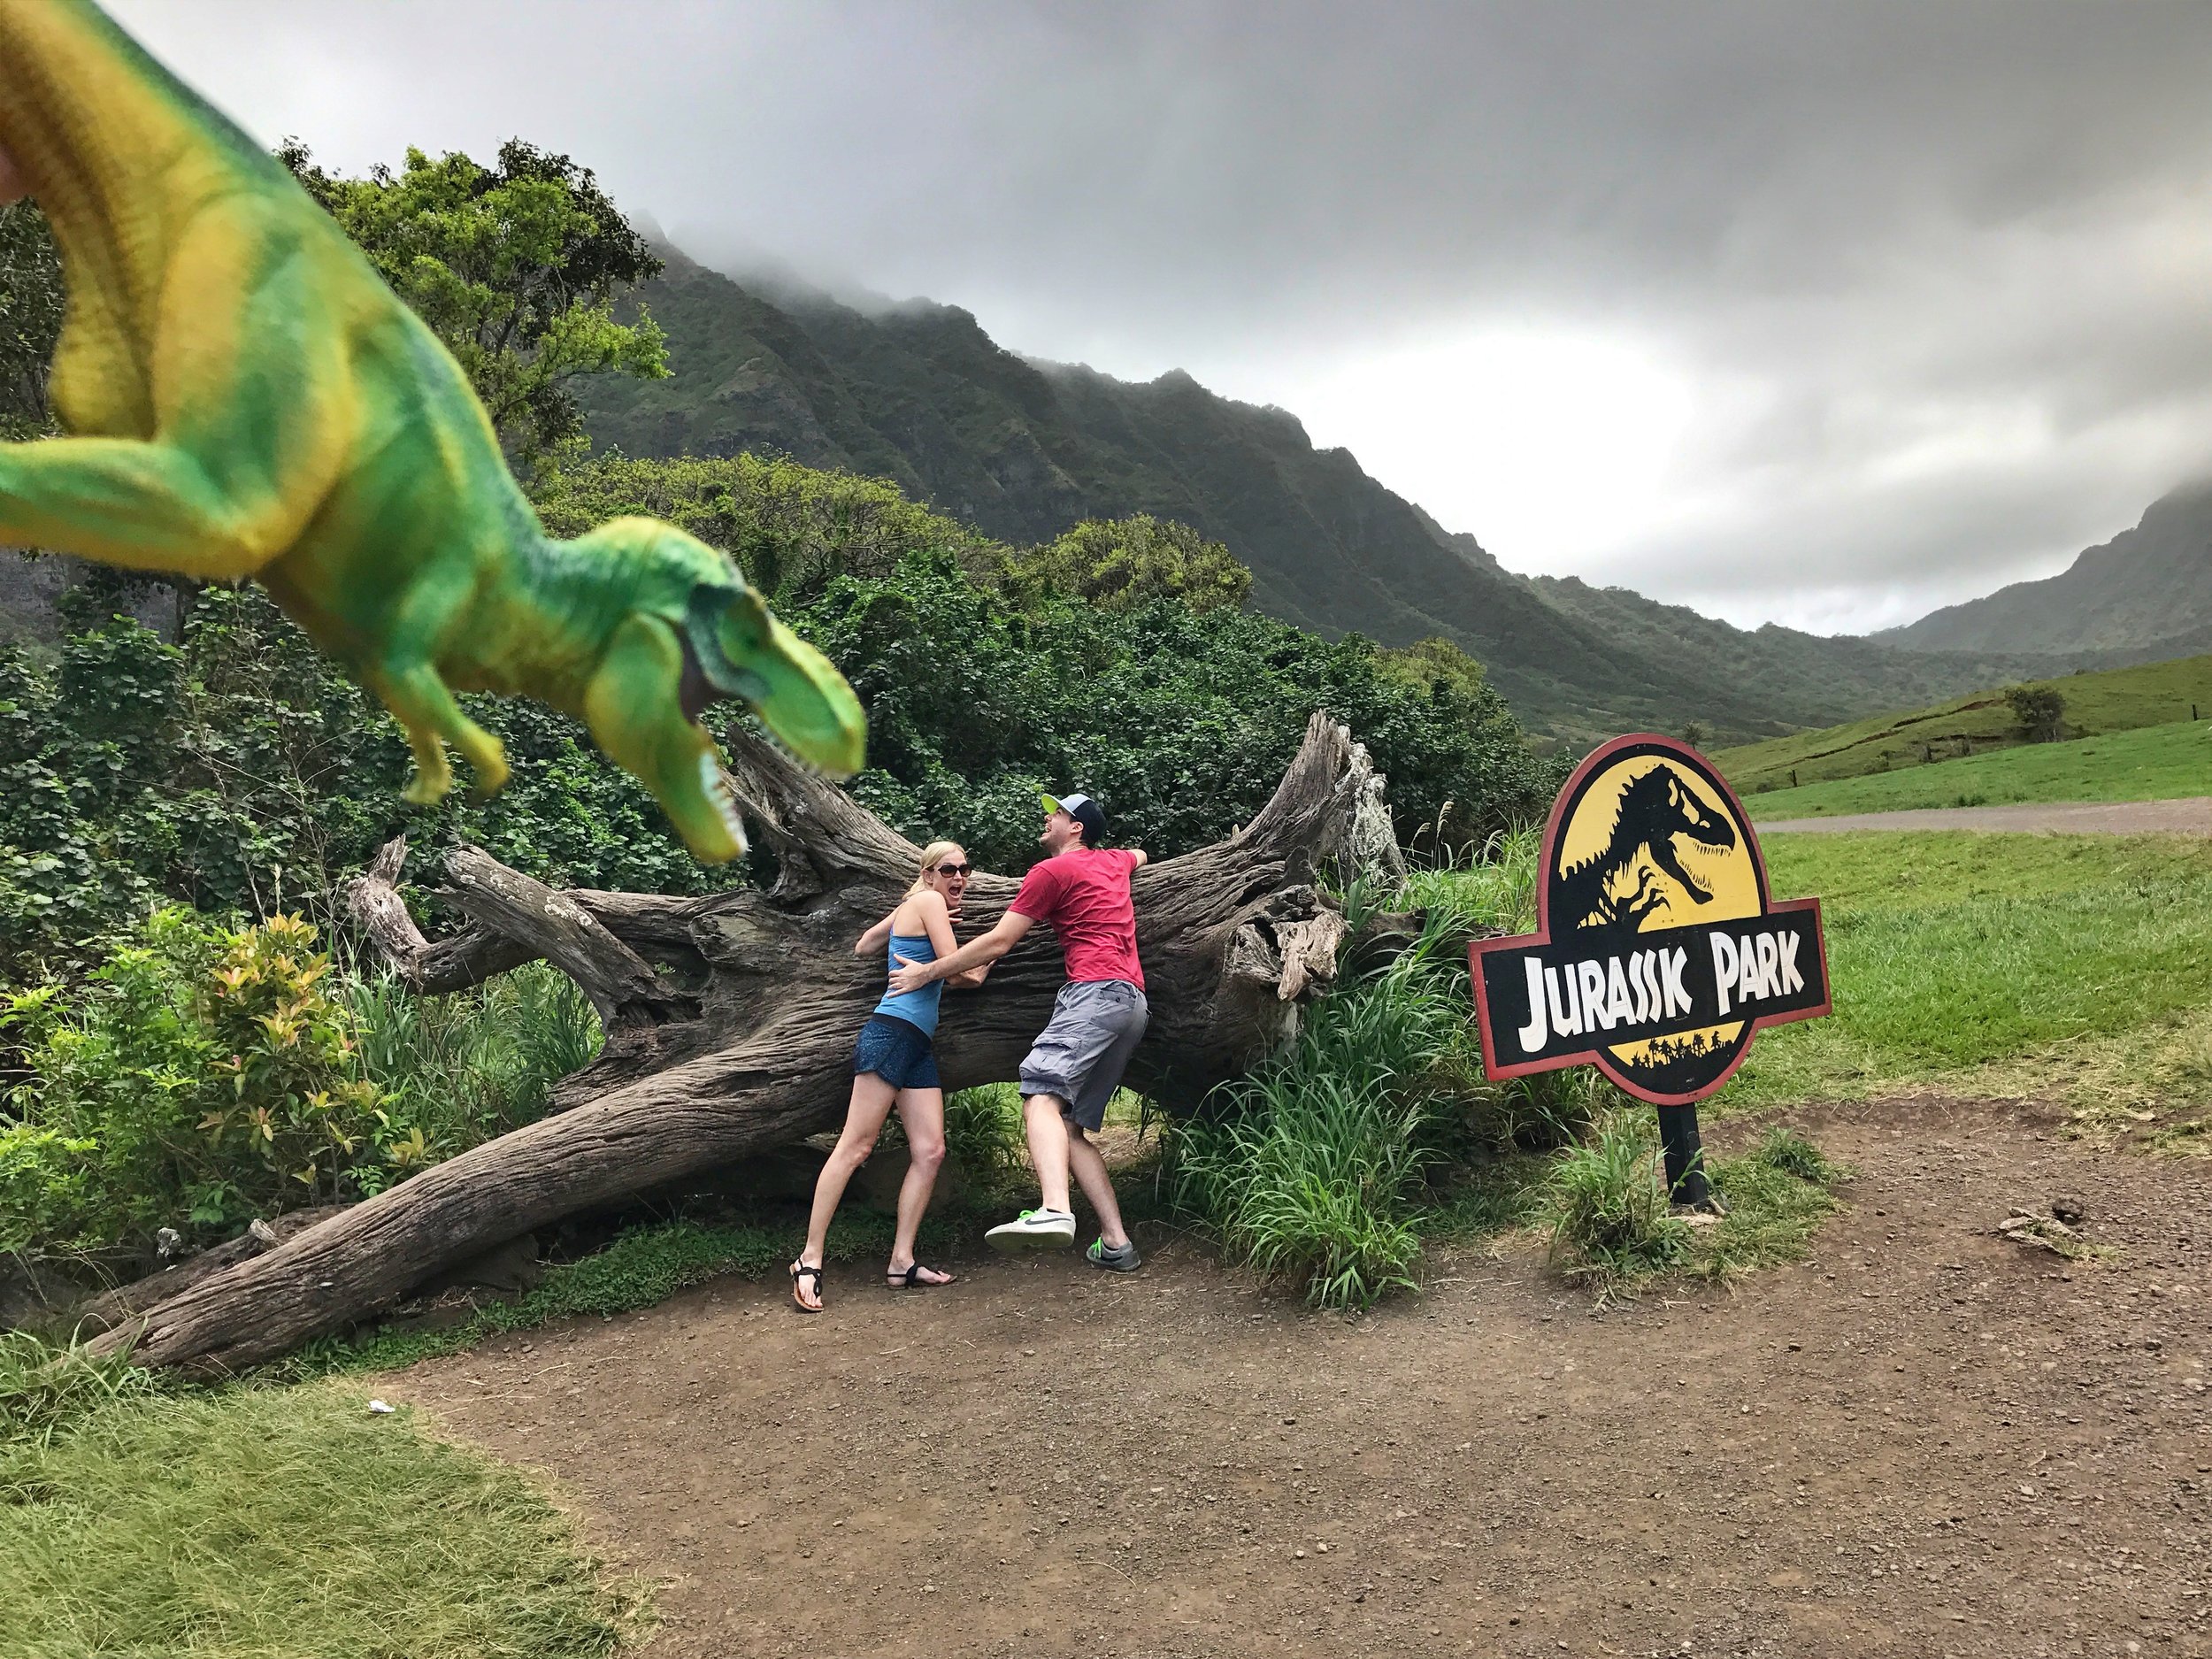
x: 915, y: 1008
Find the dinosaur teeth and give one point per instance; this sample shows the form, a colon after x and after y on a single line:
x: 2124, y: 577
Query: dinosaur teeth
x: 718, y: 789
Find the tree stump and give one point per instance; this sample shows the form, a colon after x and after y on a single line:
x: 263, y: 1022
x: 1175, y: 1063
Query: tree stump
x: 730, y: 1021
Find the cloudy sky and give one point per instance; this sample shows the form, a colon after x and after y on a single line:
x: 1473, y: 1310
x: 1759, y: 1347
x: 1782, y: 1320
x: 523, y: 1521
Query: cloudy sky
x: 1820, y: 313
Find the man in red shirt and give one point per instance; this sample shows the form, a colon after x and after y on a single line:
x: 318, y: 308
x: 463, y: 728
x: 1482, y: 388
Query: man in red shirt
x: 1074, y: 1069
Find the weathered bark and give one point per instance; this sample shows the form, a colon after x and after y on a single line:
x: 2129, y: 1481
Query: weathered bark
x: 110, y: 1308
x: 730, y: 1021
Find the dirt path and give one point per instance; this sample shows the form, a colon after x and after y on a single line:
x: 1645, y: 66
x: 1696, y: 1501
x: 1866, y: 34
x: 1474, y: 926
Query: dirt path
x: 1926, y: 1441
x: 2192, y: 816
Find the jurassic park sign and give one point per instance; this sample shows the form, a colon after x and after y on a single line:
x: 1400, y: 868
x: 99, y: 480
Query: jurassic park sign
x: 1659, y: 951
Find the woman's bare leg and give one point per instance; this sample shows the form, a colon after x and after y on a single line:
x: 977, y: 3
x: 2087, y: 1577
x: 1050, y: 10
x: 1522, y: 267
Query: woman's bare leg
x: 923, y: 1112
x: 863, y: 1121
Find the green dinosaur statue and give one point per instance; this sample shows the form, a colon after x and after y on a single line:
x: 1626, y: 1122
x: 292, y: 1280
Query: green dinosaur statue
x: 246, y: 397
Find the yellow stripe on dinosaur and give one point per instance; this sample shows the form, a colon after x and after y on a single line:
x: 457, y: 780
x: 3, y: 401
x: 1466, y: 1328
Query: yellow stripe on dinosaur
x: 246, y: 397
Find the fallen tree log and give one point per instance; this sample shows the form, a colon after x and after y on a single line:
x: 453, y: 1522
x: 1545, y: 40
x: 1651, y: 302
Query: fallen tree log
x: 730, y: 1021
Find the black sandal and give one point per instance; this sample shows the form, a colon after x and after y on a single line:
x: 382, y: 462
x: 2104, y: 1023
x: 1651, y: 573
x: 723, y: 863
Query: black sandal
x: 911, y: 1278
x: 799, y: 1269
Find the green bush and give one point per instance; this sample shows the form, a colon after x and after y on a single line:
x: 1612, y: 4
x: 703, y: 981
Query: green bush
x: 1120, y: 564
x: 203, y: 1076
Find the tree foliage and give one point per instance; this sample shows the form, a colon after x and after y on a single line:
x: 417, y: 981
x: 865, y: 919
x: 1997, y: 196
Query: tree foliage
x: 1122, y: 564
x: 238, y: 771
x: 514, y: 267
x: 792, y: 529
x: 2038, y: 711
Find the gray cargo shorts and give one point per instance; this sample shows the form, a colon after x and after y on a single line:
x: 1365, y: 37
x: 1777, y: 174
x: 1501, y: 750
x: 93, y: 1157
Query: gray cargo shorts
x: 1085, y: 1048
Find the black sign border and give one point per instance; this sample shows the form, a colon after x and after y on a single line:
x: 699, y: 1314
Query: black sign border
x: 1562, y: 813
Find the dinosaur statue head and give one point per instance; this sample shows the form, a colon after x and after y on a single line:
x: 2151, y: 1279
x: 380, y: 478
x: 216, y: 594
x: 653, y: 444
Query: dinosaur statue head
x: 693, y: 633
x: 1660, y: 806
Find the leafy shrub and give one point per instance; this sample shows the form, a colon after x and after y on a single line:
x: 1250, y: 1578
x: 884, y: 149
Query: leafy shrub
x: 1607, y: 1204
x: 1120, y: 564
x: 1180, y: 721
x: 203, y: 1077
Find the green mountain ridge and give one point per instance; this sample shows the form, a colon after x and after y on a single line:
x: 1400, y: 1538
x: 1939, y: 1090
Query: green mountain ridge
x: 918, y: 394
x: 2147, y: 589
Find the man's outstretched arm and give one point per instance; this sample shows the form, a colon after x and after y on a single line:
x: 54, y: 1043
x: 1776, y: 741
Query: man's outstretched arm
x: 985, y: 948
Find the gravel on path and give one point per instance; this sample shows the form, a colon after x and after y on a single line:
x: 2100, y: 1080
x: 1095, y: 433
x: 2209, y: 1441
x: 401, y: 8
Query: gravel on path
x: 2191, y: 816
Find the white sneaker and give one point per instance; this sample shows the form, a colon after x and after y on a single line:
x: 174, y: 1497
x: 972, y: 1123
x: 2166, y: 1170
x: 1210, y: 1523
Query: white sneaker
x: 1034, y: 1229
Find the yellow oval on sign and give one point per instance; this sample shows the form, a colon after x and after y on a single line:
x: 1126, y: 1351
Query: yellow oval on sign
x: 1653, y: 841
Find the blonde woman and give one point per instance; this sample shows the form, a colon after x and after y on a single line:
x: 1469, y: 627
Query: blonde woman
x: 894, y: 1064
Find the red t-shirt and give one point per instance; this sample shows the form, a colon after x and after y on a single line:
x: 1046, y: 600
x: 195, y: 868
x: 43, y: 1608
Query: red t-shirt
x: 1083, y: 892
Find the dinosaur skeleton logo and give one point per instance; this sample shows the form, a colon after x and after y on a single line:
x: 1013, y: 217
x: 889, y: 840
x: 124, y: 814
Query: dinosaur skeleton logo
x: 1658, y: 952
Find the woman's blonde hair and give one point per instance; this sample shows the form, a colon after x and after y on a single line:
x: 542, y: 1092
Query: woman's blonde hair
x: 933, y: 855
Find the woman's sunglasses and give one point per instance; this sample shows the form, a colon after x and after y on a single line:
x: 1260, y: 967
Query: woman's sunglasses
x: 962, y: 871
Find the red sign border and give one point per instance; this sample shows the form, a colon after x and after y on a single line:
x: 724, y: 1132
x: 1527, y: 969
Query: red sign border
x: 1570, y: 793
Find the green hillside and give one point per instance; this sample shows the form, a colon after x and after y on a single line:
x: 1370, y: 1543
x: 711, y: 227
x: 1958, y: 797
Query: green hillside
x: 2148, y: 589
x: 2115, y: 699
x: 2152, y: 762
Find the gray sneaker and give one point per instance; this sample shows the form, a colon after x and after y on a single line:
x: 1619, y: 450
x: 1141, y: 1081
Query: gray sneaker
x: 1034, y: 1229
x: 1114, y: 1259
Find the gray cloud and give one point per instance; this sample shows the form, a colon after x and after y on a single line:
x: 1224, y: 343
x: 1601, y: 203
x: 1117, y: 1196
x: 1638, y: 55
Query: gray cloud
x: 1930, y: 276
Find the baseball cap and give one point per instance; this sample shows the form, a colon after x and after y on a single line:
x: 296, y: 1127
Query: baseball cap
x: 1084, y: 810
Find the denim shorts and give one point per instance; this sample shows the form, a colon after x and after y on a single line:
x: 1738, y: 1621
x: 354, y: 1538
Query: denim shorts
x: 896, y: 1051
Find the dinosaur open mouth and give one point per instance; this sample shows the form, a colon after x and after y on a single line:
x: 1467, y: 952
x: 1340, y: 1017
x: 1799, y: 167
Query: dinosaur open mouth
x: 719, y: 795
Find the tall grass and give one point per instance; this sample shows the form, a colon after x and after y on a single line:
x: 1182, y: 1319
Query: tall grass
x: 1607, y: 1200
x: 983, y: 1132
x: 1312, y: 1169
x: 467, y: 1067
x: 1605, y: 1206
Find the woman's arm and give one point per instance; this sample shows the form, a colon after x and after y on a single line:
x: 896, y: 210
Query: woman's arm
x: 877, y: 937
x: 937, y: 922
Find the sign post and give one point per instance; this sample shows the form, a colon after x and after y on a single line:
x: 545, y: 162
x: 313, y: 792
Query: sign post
x: 1659, y: 950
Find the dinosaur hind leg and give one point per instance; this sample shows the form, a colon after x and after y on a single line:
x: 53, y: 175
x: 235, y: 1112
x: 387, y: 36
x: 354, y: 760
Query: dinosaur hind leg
x: 426, y: 709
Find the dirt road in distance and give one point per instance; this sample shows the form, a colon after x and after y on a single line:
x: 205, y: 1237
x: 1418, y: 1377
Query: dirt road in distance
x: 2189, y: 816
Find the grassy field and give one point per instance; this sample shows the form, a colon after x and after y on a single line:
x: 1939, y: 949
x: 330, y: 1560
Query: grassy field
x: 2116, y: 700
x: 255, y: 1523
x: 2154, y: 763
x: 2074, y: 968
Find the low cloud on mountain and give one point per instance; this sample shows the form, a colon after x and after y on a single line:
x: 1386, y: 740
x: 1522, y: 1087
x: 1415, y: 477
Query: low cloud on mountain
x: 1820, y: 313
